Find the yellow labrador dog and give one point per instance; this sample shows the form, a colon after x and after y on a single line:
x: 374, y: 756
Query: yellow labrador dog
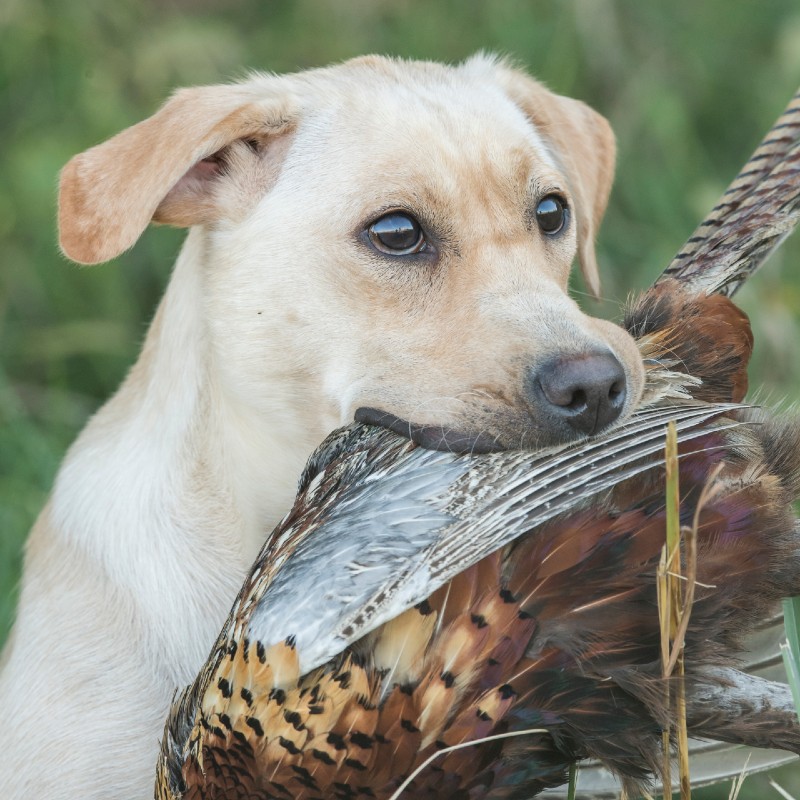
x: 383, y: 239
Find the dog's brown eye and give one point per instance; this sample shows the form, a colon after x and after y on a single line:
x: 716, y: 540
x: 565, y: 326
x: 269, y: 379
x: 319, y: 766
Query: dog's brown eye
x: 397, y: 234
x: 551, y: 214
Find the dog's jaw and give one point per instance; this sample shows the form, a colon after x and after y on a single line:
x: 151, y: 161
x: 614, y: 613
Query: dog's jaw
x: 431, y: 437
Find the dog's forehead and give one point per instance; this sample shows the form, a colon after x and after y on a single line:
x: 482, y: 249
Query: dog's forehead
x: 427, y: 131
x: 424, y: 106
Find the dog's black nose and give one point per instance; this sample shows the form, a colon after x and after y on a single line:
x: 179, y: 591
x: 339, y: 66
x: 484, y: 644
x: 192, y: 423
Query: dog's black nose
x: 587, y: 391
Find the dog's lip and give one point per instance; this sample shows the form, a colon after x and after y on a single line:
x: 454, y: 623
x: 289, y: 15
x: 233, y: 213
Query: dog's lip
x: 431, y: 437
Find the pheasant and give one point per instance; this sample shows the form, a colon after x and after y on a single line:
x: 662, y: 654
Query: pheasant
x: 436, y: 625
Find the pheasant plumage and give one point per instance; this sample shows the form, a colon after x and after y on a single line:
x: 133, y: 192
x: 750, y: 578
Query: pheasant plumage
x: 414, y: 600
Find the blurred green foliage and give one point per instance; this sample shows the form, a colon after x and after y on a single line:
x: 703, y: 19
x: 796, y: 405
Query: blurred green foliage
x: 690, y: 87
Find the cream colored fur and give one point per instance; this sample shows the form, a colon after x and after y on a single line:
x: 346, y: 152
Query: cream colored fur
x: 278, y: 322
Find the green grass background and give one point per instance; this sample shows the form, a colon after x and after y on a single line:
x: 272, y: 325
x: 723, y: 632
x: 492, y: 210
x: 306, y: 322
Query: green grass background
x: 690, y: 86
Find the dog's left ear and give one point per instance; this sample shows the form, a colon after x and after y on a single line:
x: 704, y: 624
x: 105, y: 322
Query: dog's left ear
x: 583, y: 144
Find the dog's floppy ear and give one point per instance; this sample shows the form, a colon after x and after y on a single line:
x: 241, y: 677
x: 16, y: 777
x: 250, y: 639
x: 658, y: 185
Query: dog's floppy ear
x: 583, y: 144
x: 162, y: 168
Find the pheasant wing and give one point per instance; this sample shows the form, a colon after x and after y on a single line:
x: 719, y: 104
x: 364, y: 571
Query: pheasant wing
x: 407, y: 520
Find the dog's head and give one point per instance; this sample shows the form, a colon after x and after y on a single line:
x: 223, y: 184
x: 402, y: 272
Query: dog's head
x: 385, y: 239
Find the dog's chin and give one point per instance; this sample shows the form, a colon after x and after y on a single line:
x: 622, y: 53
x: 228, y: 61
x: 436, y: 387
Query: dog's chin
x: 431, y: 437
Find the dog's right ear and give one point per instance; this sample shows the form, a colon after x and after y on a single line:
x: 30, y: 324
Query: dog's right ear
x: 164, y: 167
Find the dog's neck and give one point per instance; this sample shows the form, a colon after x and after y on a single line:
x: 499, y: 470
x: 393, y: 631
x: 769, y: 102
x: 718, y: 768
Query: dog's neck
x: 172, y: 449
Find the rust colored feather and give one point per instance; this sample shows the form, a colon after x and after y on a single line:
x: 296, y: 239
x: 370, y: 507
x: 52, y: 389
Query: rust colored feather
x: 705, y: 336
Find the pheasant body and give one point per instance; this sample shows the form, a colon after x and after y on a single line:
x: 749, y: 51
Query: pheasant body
x: 555, y: 628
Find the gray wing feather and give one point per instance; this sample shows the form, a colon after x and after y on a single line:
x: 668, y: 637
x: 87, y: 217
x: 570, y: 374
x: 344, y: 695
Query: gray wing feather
x: 376, y: 531
x: 398, y: 533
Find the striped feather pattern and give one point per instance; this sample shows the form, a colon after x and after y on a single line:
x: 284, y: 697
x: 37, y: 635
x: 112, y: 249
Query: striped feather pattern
x: 758, y: 210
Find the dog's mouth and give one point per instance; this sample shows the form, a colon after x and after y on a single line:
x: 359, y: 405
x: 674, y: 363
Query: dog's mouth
x: 431, y: 437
